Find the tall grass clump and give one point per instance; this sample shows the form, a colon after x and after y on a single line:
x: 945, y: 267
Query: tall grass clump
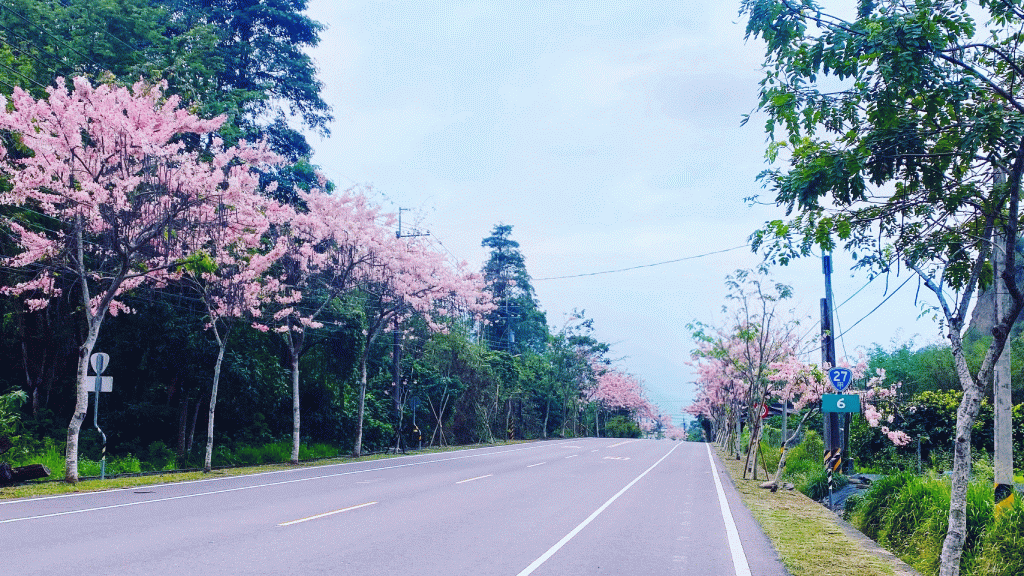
x: 871, y: 509
x: 909, y: 515
x: 1001, y: 552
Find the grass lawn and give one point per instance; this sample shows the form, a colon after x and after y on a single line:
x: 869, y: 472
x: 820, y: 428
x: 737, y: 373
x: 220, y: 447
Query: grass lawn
x: 807, y: 536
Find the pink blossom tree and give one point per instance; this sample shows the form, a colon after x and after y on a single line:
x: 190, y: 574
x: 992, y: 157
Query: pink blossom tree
x: 231, y: 275
x: 735, y: 361
x: 617, y: 390
x: 330, y: 246
x: 410, y: 277
x: 110, y: 166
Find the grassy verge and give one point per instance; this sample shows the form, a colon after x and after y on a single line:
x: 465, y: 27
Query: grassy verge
x: 51, y: 488
x: 806, y: 535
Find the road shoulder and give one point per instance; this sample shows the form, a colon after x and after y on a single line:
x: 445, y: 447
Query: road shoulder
x: 809, y: 539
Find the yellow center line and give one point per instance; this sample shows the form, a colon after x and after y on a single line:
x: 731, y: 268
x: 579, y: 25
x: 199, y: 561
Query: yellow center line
x: 326, y: 514
x: 477, y: 478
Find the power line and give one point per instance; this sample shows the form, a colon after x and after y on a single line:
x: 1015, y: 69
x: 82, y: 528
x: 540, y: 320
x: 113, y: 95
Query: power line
x: 644, y: 265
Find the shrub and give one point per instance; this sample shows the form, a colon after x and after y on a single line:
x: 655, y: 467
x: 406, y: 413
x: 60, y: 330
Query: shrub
x: 622, y: 427
x: 815, y: 484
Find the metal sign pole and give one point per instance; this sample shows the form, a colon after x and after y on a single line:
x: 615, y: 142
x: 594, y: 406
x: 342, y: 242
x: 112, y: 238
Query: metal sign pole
x: 99, y: 364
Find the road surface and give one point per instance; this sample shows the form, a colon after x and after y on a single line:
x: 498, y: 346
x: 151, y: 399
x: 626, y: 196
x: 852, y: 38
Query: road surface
x: 587, y: 506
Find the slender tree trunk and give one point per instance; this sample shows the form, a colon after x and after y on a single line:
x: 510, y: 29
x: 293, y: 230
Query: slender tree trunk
x: 222, y: 344
x: 547, y: 413
x: 966, y: 414
x: 182, y: 423
x: 295, y: 406
x: 192, y: 428
x: 357, y: 449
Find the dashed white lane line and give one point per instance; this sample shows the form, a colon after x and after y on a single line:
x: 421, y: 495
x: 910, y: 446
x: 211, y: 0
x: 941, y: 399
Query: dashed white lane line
x: 325, y: 514
x: 565, y: 539
x: 621, y: 443
x: 537, y: 464
x: 477, y: 478
x: 739, y: 559
x: 573, y: 456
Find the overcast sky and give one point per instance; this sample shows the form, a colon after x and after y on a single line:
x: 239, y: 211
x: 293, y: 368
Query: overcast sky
x: 607, y: 133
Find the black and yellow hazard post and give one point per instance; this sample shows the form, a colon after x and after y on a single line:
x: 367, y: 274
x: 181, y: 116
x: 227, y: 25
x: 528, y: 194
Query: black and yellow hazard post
x: 833, y: 460
x: 1004, y: 498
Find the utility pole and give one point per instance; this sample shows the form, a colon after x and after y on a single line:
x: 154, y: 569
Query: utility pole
x: 833, y: 426
x: 396, y: 352
x: 1003, y: 430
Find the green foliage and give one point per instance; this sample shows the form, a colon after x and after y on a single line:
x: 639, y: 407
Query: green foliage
x: 10, y: 411
x: 1001, y: 552
x: 908, y: 514
x: 815, y: 484
x: 622, y: 427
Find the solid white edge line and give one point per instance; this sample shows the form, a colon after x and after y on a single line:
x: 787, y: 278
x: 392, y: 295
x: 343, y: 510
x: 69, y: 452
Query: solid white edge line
x: 565, y: 539
x: 477, y: 478
x: 325, y: 514
x: 5, y: 502
x: 739, y: 559
x: 239, y: 488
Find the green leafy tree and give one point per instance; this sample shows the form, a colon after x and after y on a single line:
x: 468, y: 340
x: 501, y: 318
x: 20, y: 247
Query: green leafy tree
x: 903, y: 131
x: 516, y: 324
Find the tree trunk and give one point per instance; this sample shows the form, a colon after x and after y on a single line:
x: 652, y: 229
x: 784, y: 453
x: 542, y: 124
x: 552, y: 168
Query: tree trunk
x: 295, y: 405
x: 81, y: 405
x: 357, y: 448
x: 966, y: 414
x: 547, y: 413
x: 182, y: 423
x: 208, y: 460
x: 192, y: 428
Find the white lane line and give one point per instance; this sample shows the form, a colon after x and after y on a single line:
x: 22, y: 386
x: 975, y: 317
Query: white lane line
x: 332, y: 513
x: 593, y: 450
x: 565, y: 539
x: 272, y: 472
x: 621, y: 443
x: 239, y: 488
x: 573, y: 456
x: 537, y: 464
x: 477, y: 478
x: 739, y: 559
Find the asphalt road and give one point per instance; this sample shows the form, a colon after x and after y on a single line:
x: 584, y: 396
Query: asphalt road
x: 587, y: 506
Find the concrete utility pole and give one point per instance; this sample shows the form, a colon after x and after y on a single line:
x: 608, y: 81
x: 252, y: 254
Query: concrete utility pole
x: 1003, y: 430
x: 396, y: 353
x: 832, y: 423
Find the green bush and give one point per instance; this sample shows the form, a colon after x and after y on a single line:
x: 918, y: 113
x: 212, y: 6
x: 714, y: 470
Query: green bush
x: 815, y: 484
x: 622, y: 427
x: 127, y: 464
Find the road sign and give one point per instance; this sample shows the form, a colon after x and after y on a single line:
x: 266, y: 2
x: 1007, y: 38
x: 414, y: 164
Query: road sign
x: 99, y: 362
x: 106, y: 383
x: 840, y: 378
x: 840, y: 403
x: 764, y: 410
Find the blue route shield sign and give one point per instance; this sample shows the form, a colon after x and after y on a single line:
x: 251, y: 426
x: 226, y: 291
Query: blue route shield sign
x: 840, y: 378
